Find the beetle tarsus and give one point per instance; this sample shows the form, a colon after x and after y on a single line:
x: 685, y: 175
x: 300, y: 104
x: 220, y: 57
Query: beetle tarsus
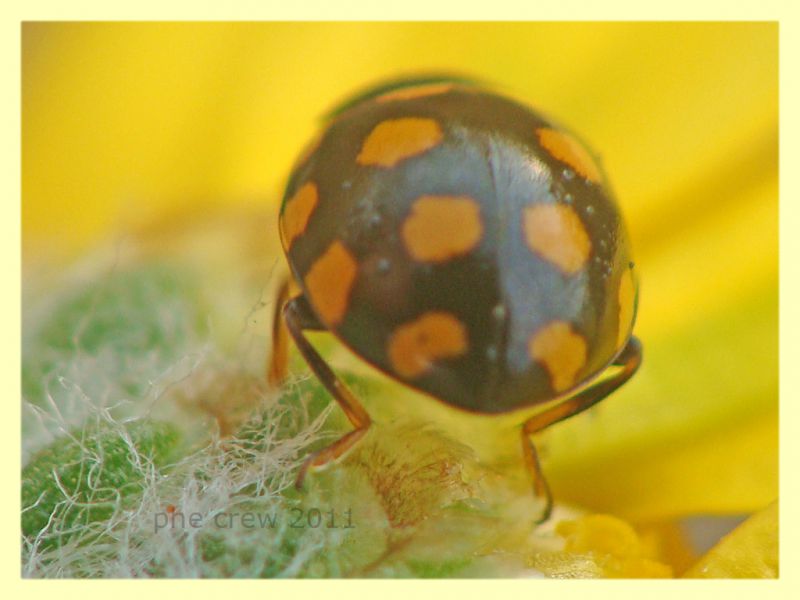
x: 301, y: 474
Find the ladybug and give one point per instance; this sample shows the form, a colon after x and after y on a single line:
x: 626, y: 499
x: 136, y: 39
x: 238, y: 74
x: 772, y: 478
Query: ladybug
x: 464, y: 245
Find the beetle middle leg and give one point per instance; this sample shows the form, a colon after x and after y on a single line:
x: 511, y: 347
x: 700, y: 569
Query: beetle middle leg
x: 629, y: 360
x: 299, y: 317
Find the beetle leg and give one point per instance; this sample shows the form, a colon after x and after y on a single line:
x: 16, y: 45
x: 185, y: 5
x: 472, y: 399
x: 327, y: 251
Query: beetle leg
x: 629, y: 360
x: 278, y: 360
x: 298, y: 316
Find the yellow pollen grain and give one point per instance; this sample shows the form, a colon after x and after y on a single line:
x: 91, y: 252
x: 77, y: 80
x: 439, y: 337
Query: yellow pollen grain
x: 627, y: 299
x: 561, y: 351
x: 329, y: 282
x: 394, y: 140
x: 442, y: 227
x: 556, y: 232
x: 415, y: 91
x: 415, y: 346
x: 565, y: 148
x: 297, y: 212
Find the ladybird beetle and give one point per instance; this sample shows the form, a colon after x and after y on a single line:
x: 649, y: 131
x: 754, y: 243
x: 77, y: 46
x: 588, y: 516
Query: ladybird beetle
x: 464, y: 245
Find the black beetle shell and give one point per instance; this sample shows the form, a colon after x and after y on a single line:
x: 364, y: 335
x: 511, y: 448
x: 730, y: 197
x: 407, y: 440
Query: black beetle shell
x: 502, y: 291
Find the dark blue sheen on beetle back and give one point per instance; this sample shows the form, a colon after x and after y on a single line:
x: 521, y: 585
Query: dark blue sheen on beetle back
x: 546, y: 301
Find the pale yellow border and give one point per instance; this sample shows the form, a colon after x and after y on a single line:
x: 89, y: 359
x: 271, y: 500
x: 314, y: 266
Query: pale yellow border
x: 413, y: 9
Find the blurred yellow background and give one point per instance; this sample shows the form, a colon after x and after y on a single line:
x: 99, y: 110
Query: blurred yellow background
x: 125, y: 123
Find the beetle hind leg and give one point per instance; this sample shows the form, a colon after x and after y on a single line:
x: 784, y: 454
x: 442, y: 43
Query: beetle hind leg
x: 299, y: 317
x: 628, y: 362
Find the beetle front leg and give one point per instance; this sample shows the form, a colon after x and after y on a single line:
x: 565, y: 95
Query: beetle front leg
x: 299, y: 317
x: 629, y: 360
x: 278, y: 360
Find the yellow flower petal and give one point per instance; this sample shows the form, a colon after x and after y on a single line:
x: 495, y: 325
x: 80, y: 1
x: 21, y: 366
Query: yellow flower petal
x: 730, y: 471
x: 749, y: 551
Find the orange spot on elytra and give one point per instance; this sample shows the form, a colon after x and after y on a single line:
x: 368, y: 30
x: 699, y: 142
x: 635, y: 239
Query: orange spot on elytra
x: 394, y: 140
x: 561, y: 351
x: 416, y: 345
x: 329, y: 282
x: 297, y: 212
x: 627, y: 299
x: 556, y: 232
x: 562, y: 146
x: 415, y: 91
x: 442, y: 227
